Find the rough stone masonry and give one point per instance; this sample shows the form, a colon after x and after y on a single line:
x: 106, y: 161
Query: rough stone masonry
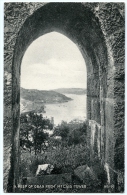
x: 98, y: 30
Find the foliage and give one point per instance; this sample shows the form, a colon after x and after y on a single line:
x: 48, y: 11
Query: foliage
x: 62, y: 130
x: 72, y: 133
x: 66, y: 147
x: 119, y: 151
x: 33, y: 125
x: 64, y: 158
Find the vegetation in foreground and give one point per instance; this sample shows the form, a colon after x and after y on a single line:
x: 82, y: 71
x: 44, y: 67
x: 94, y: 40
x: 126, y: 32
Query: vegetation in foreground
x: 65, y: 148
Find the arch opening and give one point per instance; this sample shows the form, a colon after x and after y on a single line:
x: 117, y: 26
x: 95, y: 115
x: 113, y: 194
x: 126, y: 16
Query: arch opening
x: 53, y: 88
x: 53, y: 62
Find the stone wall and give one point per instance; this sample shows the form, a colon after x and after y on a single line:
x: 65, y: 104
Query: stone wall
x: 115, y: 175
x: 98, y: 31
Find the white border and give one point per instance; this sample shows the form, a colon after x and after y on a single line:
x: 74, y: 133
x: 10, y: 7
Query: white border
x: 1, y: 87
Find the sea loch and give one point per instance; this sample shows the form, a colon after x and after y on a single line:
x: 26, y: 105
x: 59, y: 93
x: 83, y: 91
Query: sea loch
x: 74, y: 109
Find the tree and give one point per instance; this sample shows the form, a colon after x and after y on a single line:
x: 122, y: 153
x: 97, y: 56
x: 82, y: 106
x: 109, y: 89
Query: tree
x: 33, y: 124
x: 40, y: 139
x: 62, y: 130
x: 24, y: 133
x: 72, y: 133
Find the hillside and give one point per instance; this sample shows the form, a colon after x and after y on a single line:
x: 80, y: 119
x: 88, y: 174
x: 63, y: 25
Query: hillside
x: 43, y: 96
x: 77, y: 91
x: 27, y: 106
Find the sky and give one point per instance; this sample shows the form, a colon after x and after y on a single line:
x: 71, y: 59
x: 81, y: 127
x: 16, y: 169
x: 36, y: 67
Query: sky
x: 53, y: 61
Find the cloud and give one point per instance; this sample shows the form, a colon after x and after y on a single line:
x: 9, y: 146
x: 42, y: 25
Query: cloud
x: 59, y: 68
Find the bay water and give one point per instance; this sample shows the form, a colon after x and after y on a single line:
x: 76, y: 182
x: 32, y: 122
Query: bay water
x: 67, y: 111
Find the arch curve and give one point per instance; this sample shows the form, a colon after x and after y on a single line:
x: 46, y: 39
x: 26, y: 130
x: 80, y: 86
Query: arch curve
x: 79, y: 24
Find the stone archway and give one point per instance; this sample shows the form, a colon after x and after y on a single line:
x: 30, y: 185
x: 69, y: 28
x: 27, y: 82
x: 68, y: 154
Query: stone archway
x: 99, y: 34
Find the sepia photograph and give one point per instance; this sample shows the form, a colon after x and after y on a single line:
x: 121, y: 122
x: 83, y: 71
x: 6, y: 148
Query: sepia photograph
x: 64, y: 97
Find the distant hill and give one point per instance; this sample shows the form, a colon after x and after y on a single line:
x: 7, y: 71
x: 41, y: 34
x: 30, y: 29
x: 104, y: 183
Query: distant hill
x: 43, y: 96
x: 77, y: 91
